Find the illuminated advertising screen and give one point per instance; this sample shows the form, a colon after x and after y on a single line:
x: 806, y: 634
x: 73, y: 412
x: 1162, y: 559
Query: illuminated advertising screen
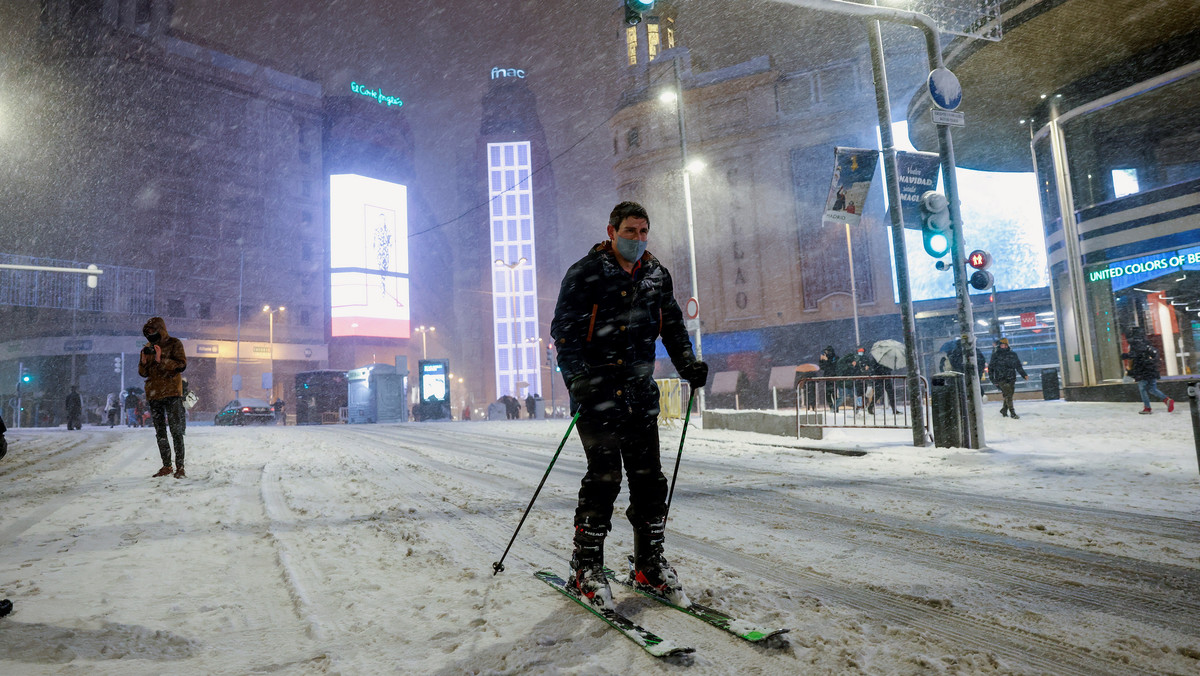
x: 368, y: 257
x: 434, y: 379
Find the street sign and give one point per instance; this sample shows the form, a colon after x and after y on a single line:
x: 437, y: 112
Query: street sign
x: 944, y: 88
x: 947, y: 117
x: 1028, y: 320
x: 691, y: 309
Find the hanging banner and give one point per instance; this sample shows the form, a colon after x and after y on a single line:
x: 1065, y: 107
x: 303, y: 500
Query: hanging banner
x: 852, y: 173
x: 917, y: 174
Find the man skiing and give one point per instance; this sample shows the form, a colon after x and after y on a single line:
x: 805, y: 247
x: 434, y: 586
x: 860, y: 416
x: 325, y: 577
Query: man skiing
x: 161, y: 363
x: 613, y: 305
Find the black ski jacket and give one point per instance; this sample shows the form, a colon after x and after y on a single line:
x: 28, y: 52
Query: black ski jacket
x: 1143, y: 360
x: 1005, y: 366
x: 606, y: 320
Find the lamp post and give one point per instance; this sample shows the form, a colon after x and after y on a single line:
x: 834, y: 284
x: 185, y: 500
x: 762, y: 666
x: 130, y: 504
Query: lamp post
x: 424, y: 330
x: 271, y: 340
x: 512, y: 288
x: 688, y: 167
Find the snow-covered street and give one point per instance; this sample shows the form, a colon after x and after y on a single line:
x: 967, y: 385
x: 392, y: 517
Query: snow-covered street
x: 1070, y: 546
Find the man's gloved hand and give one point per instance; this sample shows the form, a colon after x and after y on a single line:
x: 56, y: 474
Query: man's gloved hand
x: 696, y: 373
x: 586, y: 388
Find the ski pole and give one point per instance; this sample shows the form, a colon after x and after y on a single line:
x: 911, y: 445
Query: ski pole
x: 499, y: 565
x: 687, y: 416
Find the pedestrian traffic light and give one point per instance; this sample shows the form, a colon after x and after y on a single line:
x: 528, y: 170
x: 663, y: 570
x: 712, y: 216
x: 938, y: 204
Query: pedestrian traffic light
x: 26, y: 376
x: 980, y: 279
x: 935, y: 223
x: 634, y: 9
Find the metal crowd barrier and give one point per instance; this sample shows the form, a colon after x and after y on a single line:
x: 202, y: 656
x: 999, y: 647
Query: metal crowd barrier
x: 858, y: 401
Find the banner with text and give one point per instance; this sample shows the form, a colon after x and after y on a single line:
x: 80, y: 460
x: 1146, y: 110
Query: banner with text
x: 917, y: 174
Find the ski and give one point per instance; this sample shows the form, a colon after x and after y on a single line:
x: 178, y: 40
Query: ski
x: 742, y: 629
x: 649, y: 641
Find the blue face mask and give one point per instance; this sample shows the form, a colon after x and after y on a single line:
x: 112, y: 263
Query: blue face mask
x: 630, y: 249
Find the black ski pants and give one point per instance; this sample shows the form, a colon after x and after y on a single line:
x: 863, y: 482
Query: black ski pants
x: 168, y: 414
x: 621, y: 435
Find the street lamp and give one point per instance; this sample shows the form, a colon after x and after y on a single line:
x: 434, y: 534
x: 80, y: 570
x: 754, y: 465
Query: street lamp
x: 424, y: 330
x: 512, y: 288
x: 676, y: 97
x: 271, y: 340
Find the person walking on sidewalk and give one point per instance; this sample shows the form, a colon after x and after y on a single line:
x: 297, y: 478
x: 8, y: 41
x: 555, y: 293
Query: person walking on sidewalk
x: 1143, y: 367
x: 74, y: 406
x: 613, y: 305
x: 1003, y: 370
x: 162, y: 362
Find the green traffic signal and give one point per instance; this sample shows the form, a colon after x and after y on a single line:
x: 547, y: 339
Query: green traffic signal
x: 935, y: 223
x: 26, y: 377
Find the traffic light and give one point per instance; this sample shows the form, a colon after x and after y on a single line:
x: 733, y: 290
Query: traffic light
x: 980, y: 279
x: 117, y: 364
x: 634, y: 9
x: 26, y: 376
x: 935, y: 223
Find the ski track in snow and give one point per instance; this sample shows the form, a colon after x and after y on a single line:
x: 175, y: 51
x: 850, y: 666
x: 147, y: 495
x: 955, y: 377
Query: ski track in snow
x: 368, y: 549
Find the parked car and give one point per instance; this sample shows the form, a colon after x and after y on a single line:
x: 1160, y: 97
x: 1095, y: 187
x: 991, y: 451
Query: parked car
x: 244, y: 411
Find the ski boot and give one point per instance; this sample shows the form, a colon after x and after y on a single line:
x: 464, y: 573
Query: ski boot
x: 587, y: 568
x: 649, y: 570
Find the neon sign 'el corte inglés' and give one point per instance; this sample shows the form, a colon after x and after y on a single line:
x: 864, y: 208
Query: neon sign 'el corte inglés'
x: 376, y: 94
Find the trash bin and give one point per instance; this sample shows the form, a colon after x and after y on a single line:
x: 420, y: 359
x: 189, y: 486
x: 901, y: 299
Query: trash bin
x: 1050, y: 384
x: 948, y: 399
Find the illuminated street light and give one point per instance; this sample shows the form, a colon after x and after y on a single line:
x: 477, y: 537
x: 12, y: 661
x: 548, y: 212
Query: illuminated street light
x: 424, y: 330
x: 689, y: 167
x: 271, y: 339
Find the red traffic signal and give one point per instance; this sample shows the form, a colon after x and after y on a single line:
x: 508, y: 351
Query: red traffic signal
x: 979, y: 259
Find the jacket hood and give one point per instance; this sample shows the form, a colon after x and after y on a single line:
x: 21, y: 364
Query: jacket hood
x: 155, y: 325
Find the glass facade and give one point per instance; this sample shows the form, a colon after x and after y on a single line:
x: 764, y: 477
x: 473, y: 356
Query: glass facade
x: 1119, y: 180
x: 514, y: 282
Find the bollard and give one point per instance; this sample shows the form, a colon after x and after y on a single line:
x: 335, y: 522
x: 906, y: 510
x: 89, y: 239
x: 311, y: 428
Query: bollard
x: 1194, y: 405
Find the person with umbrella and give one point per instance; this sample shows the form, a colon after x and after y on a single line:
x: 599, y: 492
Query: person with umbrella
x: 887, y: 356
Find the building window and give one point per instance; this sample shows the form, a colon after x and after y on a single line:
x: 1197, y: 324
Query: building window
x: 632, y: 138
x: 175, y: 308
x: 652, y: 40
x: 305, y: 156
x: 204, y: 310
x: 631, y: 44
x: 670, y: 31
x: 306, y: 251
x: 304, y: 317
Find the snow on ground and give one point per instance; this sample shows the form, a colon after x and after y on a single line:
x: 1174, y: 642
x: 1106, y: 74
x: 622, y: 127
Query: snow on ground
x: 1071, y: 545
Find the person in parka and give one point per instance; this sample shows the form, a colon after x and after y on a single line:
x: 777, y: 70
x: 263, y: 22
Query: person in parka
x: 1003, y: 370
x: 1143, y: 367
x: 161, y: 363
x: 613, y: 305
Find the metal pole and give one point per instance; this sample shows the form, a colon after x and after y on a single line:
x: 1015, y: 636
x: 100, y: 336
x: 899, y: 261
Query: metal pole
x: 1195, y: 410
x: 853, y: 289
x: 892, y: 182
x: 679, y: 456
x: 499, y: 565
x: 237, y: 358
x: 20, y: 372
x: 687, y: 199
x: 995, y: 311
x: 966, y: 317
x: 271, y: 348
